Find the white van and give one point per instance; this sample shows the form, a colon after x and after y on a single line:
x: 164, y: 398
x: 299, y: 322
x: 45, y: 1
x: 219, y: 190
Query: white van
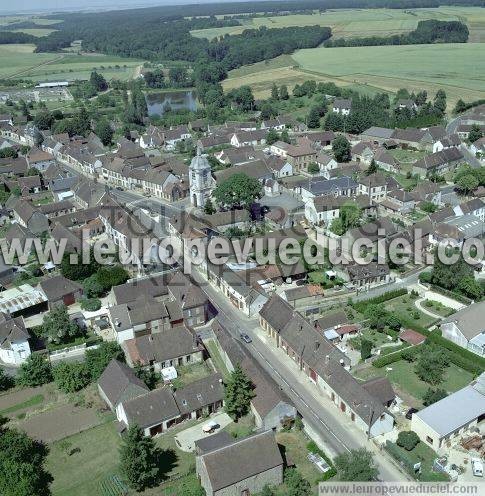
x: 477, y: 467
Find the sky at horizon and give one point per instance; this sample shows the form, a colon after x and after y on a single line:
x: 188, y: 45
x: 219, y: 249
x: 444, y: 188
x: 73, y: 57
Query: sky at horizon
x: 34, y: 6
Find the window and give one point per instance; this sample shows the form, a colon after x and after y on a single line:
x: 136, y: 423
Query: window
x: 429, y: 440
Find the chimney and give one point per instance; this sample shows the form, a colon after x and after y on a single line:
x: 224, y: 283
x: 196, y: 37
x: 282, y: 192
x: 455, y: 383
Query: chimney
x: 117, y: 322
x: 150, y: 338
x: 317, y: 345
x: 327, y: 359
x: 342, y: 362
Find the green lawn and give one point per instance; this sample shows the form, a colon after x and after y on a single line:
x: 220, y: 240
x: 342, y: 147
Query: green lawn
x: 437, y: 307
x: 404, y: 378
x: 83, y: 472
x: 242, y: 428
x: 191, y: 373
x: 407, y: 156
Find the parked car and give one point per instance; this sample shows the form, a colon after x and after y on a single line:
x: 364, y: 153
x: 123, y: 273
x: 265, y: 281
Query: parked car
x: 410, y: 413
x: 321, y: 464
x: 245, y: 338
x: 477, y: 467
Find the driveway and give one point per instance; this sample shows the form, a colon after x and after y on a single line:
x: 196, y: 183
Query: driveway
x: 185, y: 440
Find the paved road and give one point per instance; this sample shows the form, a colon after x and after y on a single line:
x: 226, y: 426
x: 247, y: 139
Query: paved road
x: 336, y: 430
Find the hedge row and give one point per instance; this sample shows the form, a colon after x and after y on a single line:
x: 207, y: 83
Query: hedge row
x: 451, y: 294
x: 390, y: 295
x: 388, y: 359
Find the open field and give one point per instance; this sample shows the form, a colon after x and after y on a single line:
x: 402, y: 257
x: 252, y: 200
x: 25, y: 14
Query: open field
x: 39, y: 32
x: 21, y: 61
x: 361, y: 22
x: 459, y: 69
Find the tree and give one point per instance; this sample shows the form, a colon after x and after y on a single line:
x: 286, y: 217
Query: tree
x: 43, y: 120
x: 357, y: 465
x: 446, y: 276
x: 272, y: 137
x: 433, y: 395
x: 139, y: 458
x: 341, y: 149
x: 58, y: 327
x: 467, y: 183
x: 92, y: 287
x: 148, y: 376
x: 266, y: 491
x: 6, y: 382
x: 475, y: 133
x: 460, y: 106
x: 238, y: 392
x: 98, y: 359
x: 372, y: 169
x: 285, y: 136
x: 349, y: 217
x: 209, y: 208
x: 376, y: 315
x: 78, y: 270
x: 366, y: 349
x: 98, y: 82
x: 407, y: 440
x: 268, y: 111
x: 71, y: 377
x: 296, y: 485
x: 313, y: 168
x: 439, y: 102
x: 239, y: 190
x: 104, y: 132
x: 22, y: 465
x: 428, y: 206
x: 35, y: 371
x: 313, y: 119
x: 431, y: 364
x: 470, y: 287
x: 274, y: 92
x: 284, y: 93
x: 334, y: 122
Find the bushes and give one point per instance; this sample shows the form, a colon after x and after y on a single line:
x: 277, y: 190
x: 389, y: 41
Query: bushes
x: 402, y: 457
x: 407, y: 440
x: 450, y: 294
x: 71, y: 377
x: 91, y: 304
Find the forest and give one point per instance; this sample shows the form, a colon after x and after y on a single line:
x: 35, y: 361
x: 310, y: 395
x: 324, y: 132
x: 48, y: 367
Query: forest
x: 430, y: 31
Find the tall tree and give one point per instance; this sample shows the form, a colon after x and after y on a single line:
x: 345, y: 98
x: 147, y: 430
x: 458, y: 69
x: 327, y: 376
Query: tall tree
x: 272, y: 137
x: 295, y: 483
x: 313, y: 119
x: 104, y: 131
x: 98, y: 359
x: 139, y: 458
x: 275, y: 95
x: 57, y: 326
x: 357, y: 465
x: 341, y: 149
x: 284, y: 93
x: 22, y: 465
x: 239, y: 190
x: 71, y: 377
x: 238, y: 392
x: 35, y: 371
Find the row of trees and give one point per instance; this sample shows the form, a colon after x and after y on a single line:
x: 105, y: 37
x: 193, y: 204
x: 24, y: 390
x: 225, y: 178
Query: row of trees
x: 427, y: 32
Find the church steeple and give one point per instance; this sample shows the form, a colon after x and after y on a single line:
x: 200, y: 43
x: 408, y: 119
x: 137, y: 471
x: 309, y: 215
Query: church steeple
x: 200, y: 179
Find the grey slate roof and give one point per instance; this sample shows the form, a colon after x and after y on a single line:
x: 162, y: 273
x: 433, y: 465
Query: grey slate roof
x: 120, y: 383
x: 148, y: 287
x: 242, y: 459
x: 58, y: 286
x: 470, y: 320
x: 11, y: 330
x: 222, y: 438
x: 198, y: 394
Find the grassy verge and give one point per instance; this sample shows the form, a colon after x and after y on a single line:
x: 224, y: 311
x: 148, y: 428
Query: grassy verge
x: 216, y: 358
x: 34, y: 400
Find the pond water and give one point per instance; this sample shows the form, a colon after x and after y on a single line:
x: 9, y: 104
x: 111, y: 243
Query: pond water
x: 159, y: 103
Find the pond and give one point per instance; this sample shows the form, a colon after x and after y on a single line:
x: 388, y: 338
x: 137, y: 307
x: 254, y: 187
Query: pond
x: 159, y: 103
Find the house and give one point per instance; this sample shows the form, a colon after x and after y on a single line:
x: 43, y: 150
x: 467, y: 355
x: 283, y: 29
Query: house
x: 324, y: 365
x: 14, y: 340
x: 153, y: 138
x: 452, y: 417
x: 238, y: 156
x: 438, y: 163
x: 342, y: 106
x: 249, y: 138
x: 257, y: 170
x: 371, y: 231
x: 303, y: 295
x: 300, y: 156
x: 88, y: 193
x: 30, y: 185
x: 322, y: 210
x: 164, y: 348
x: 22, y: 300
x: 380, y: 388
x: 466, y: 328
x: 427, y: 191
x: 60, y: 291
x: 411, y: 337
x: 158, y: 410
x: 363, y: 152
x: 398, y: 201
x: 406, y: 104
x: 320, y: 139
x: 278, y: 166
x: 377, y: 135
x: 339, y: 186
x: 325, y: 163
x: 451, y: 141
x: 367, y: 275
x: 242, y: 467
x: 475, y: 206
x: 176, y: 135
x: 119, y: 383
x: 384, y: 160
x: 478, y: 147
x: 30, y: 217
x: 39, y: 159
x: 56, y: 209
x: 373, y: 186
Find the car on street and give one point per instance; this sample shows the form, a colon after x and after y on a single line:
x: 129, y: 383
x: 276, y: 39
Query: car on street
x: 244, y: 337
x: 477, y: 467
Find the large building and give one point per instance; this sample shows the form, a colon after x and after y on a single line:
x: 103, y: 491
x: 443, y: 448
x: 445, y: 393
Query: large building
x: 452, y: 416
